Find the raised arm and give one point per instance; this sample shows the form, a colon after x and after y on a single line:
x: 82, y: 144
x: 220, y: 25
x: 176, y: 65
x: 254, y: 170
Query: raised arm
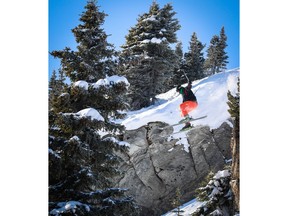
x: 189, y: 86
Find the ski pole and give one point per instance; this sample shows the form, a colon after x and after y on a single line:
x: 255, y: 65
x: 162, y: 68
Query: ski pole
x: 186, y: 76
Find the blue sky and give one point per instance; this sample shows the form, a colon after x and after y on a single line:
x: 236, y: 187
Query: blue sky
x: 205, y: 17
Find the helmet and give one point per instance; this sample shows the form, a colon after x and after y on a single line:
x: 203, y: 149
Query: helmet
x: 178, y: 88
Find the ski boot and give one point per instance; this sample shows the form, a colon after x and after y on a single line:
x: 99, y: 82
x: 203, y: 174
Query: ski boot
x: 187, y: 118
x: 187, y: 126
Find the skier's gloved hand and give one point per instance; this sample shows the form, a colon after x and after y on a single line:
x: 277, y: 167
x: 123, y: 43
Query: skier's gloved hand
x: 189, y: 82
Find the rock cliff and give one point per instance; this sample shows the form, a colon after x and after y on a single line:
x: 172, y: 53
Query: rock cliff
x: 155, y: 166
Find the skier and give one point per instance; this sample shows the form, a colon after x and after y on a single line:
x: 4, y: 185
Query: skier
x: 189, y: 103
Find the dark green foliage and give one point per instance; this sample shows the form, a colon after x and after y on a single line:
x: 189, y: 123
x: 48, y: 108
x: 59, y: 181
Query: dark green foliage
x: 211, y: 61
x: 234, y: 103
x: 94, y: 56
x: 82, y: 162
x: 147, y: 59
x: 234, y: 110
x: 222, y: 55
x: 81, y: 166
x: 176, y: 202
x: 179, y: 77
x: 56, y: 86
x: 202, y: 194
x: 216, y: 56
x: 194, y: 59
x: 217, y: 194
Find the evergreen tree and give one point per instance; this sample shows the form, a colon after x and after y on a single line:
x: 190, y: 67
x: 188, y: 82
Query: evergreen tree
x: 222, y: 55
x: 179, y: 50
x: 178, y: 75
x: 56, y: 86
x: 216, y: 194
x: 234, y: 110
x: 93, y: 59
x: 176, y: 203
x: 216, y: 56
x: 194, y: 59
x: 52, y: 87
x: 211, y: 61
x: 82, y: 162
x: 234, y: 104
x: 147, y: 59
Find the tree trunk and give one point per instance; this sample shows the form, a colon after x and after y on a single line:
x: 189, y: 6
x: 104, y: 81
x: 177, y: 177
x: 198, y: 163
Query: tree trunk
x: 235, y: 178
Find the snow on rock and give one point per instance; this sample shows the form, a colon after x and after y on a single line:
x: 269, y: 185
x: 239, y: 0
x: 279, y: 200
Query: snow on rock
x: 109, y: 81
x: 121, y: 143
x: 184, y: 142
x: 81, y: 84
x: 94, y: 114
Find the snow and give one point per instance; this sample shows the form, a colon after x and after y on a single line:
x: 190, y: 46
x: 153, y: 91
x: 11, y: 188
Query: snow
x: 222, y: 174
x: 66, y: 206
x: 211, y: 93
x: 121, y: 143
x: 64, y: 94
x: 74, y: 138
x: 108, y: 81
x: 184, y: 142
x: 94, y: 114
x: 152, y: 18
x: 157, y: 40
x: 54, y: 153
x: 153, y: 40
x: 214, y: 192
x: 81, y: 84
x: 188, y: 208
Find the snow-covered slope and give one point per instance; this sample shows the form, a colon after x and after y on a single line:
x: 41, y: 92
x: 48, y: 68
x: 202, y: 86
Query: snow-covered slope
x: 211, y: 93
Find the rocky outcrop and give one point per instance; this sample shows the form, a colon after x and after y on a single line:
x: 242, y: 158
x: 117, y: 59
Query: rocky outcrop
x: 155, y: 166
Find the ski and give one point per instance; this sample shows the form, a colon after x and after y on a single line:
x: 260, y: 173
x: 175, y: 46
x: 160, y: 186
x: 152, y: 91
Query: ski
x: 185, y: 130
x: 183, y: 122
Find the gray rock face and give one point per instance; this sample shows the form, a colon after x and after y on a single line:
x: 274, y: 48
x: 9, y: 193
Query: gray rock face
x: 155, y: 167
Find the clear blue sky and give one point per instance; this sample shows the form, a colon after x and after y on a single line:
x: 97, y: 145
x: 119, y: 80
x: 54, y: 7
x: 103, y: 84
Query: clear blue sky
x: 205, y: 17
